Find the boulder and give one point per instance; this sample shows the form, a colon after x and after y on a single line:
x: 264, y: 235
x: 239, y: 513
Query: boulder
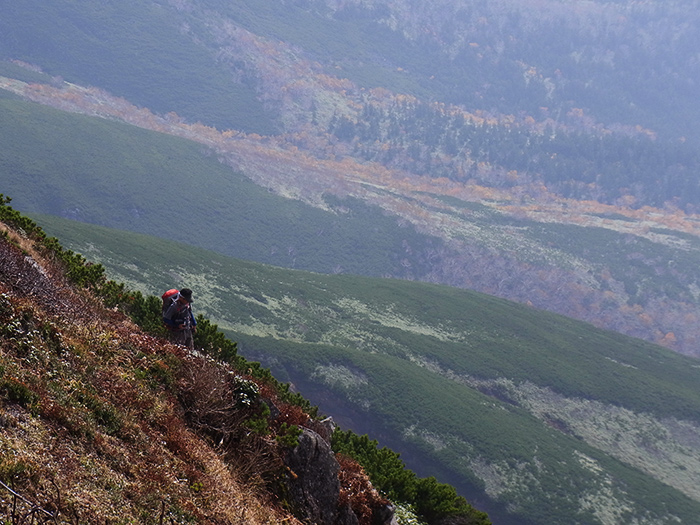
x: 312, y: 485
x: 385, y: 515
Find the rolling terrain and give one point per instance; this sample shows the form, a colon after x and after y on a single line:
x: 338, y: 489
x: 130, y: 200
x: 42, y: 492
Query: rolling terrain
x: 507, y: 403
x: 414, y: 157
x: 631, y: 270
x: 479, y: 127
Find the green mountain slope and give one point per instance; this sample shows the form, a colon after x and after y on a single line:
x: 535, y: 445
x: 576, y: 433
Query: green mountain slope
x: 125, y: 177
x: 122, y: 176
x: 530, y: 102
x: 549, y: 419
x: 610, y: 59
x: 231, y: 64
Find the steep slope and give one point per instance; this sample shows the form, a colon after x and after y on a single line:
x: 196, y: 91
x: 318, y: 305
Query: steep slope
x: 610, y: 59
x: 538, y: 418
x: 90, y: 426
x: 100, y: 422
x: 137, y: 51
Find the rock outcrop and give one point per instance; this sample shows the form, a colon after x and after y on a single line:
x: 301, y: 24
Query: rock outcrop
x: 313, y: 487
x: 313, y: 483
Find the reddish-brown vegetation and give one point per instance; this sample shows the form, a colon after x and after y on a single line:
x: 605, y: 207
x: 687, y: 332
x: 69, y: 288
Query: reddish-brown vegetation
x: 102, y: 423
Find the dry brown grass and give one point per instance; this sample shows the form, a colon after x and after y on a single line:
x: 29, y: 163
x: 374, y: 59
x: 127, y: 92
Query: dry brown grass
x: 92, y: 429
x: 357, y: 491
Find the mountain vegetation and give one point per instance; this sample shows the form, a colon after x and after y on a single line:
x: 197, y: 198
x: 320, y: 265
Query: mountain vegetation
x: 92, y: 430
x: 103, y: 421
x: 528, y: 114
x: 554, y: 256
x: 506, y: 403
x: 539, y: 151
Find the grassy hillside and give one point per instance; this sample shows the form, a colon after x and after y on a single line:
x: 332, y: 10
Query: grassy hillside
x: 121, y: 176
x: 514, y: 58
x: 508, y: 403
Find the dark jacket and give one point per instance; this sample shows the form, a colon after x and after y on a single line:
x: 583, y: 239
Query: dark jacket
x: 177, y: 315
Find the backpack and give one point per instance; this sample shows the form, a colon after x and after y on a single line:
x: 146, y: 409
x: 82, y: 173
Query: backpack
x: 168, y: 298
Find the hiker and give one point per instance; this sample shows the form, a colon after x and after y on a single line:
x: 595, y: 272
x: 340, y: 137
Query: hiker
x: 179, y: 319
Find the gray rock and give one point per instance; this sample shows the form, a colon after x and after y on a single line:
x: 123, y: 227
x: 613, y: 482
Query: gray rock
x: 385, y: 515
x: 313, y: 486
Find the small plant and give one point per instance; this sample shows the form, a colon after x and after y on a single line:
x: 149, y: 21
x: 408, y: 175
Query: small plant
x: 13, y: 471
x: 246, y: 392
x: 162, y: 373
x: 406, y: 515
x: 213, y: 342
x: 16, y: 391
x: 107, y: 415
x: 260, y: 423
x: 5, y: 305
x: 197, y: 486
x: 288, y: 435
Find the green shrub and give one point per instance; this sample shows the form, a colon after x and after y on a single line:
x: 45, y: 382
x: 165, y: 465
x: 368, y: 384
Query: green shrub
x: 213, y: 342
x: 246, y: 393
x: 431, y: 500
x: 15, y: 391
x: 288, y: 435
x: 15, y: 219
x: 260, y: 423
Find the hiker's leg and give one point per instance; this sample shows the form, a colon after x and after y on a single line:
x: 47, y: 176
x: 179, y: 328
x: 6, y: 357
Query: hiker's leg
x: 188, y: 339
x: 178, y: 337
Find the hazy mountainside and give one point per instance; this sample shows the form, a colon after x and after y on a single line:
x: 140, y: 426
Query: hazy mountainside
x: 362, y: 219
x: 512, y: 105
x: 120, y: 176
x: 621, y: 62
x: 134, y: 49
x: 540, y: 151
x: 534, y: 417
x: 573, y: 96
